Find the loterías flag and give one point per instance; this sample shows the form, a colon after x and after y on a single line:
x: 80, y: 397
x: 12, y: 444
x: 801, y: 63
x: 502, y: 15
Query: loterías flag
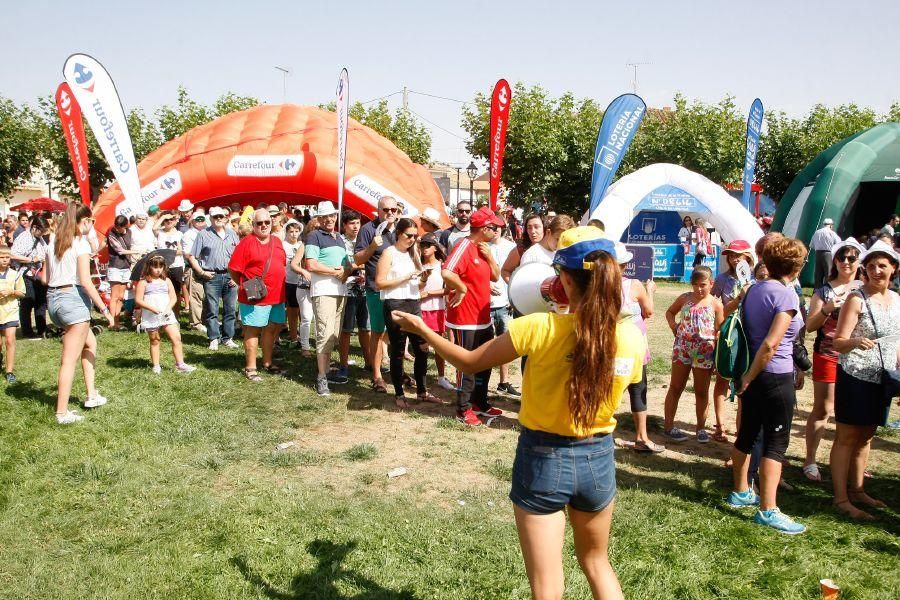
x: 620, y: 122
x: 73, y: 130
x: 500, y: 102
x: 754, y: 129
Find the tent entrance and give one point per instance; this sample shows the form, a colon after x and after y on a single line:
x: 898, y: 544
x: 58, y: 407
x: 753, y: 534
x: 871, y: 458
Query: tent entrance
x: 870, y: 207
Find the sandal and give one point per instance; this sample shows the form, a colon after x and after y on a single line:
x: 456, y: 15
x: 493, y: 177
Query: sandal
x: 274, y: 369
x: 307, y: 354
x: 642, y: 446
x: 719, y: 434
x: 408, y: 381
x: 812, y: 472
x: 401, y: 402
x: 861, y: 497
x: 252, y: 375
x: 426, y: 397
x: 853, y: 512
x: 379, y: 386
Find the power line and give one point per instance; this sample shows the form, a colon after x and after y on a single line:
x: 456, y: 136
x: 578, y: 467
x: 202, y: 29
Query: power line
x: 436, y: 125
x: 382, y: 97
x: 438, y: 97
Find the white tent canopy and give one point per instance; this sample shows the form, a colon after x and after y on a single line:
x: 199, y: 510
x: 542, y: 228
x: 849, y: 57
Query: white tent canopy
x: 665, y: 186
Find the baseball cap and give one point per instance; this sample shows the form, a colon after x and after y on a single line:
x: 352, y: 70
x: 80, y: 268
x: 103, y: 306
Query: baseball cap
x: 141, y: 214
x: 217, y: 211
x: 738, y: 247
x: 828, y: 221
x: 485, y: 216
x: 198, y: 215
x: 153, y: 209
x: 577, y: 243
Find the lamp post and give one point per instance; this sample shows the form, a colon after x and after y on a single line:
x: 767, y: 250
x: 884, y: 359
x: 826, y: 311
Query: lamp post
x: 472, y: 171
x: 458, y: 169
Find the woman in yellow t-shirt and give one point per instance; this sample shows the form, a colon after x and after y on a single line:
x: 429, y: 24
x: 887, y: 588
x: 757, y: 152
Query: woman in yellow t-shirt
x: 578, y: 366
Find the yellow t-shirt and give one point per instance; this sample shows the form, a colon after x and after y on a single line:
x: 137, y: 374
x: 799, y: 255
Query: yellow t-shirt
x: 548, y: 341
x: 9, y: 305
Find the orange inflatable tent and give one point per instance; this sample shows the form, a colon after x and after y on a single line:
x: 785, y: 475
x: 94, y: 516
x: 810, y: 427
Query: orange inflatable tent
x: 277, y: 153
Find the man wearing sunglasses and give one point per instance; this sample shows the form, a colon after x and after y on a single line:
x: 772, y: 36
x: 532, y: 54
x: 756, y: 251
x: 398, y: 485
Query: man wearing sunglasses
x: 460, y: 229
x: 367, y: 250
x: 821, y: 243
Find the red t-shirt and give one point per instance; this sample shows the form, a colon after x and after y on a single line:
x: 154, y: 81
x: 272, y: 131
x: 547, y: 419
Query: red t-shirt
x: 249, y: 259
x: 474, y: 312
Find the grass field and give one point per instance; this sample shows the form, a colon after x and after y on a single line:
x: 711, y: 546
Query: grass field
x: 176, y: 489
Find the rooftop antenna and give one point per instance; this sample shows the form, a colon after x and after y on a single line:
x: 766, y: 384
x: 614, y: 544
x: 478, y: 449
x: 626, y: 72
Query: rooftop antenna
x: 635, y: 65
x: 284, y: 75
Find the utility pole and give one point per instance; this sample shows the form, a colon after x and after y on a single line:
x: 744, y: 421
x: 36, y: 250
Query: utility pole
x: 405, y: 99
x: 284, y: 75
x: 635, y: 65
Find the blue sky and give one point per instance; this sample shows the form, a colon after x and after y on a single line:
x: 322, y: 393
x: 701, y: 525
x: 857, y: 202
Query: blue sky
x: 791, y: 54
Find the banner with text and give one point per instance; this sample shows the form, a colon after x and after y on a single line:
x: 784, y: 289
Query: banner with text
x: 500, y: 101
x: 754, y: 128
x: 96, y: 94
x: 73, y: 131
x: 620, y: 122
x: 343, y: 116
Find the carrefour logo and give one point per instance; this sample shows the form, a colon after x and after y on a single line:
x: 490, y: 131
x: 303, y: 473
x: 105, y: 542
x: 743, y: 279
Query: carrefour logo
x: 262, y: 165
x: 84, y: 77
x: 161, y: 189
x: 503, y: 97
x: 65, y: 102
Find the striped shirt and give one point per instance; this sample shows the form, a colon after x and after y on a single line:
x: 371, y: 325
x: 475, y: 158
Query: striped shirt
x: 213, y: 250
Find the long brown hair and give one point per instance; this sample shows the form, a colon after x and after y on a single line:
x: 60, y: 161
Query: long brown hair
x: 67, y: 228
x: 593, y: 357
x: 402, y: 225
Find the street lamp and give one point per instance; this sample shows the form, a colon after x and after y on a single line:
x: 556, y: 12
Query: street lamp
x: 472, y: 171
x: 458, y: 169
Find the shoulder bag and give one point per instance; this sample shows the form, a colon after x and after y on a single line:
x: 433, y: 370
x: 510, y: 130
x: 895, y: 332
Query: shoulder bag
x: 255, y: 288
x: 890, y: 378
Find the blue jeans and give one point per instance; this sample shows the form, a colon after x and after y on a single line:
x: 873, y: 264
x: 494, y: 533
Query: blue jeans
x: 219, y: 289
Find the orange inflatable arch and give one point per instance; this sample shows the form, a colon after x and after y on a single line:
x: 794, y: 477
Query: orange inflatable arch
x: 277, y: 153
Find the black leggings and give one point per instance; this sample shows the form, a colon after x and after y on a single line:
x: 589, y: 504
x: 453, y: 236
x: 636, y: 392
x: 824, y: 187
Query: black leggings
x: 35, y: 300
x: 397, y: 340
x: 637, y: 392
x: 767, y: 405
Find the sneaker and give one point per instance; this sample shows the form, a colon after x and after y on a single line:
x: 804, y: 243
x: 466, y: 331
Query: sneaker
x: 322, y: 387
x: 344, y: 371
x: 676, y: 435
x: 509, y: 389
x: 157, y: 370
x: 336, y: 378
x: 742, y: 499
x: 230, y: 344
x: 214, y: 345
x: 68, y: 417
x: 468, y: 417
x: 200, y: 327
x: 489, y: 411
x: 445, y: 383
x: 894, y: 425
x: 10, y: 378
x: 185, y: 368
x: 703, y: 436
x: 95, y: 401
x: 778, y: 521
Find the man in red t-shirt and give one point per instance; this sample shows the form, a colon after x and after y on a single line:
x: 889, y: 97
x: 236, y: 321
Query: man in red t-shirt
x: 260, y: 255
x: 468, y: 272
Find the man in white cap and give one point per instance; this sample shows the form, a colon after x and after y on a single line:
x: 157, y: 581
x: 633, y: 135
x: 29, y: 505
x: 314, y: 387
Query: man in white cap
x: 821, y: 243
x: 431, y: 220
x: 328, y: 262
x: 193, y: 286
x: 185, y: 212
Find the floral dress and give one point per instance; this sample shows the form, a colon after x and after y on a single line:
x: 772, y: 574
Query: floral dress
x: 695, y: 335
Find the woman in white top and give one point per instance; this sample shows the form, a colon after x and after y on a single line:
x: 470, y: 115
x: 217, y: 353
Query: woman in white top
x: 534, y: 233
x: 169, y: 237
x: 69, y: 298
x: 543, y: 251
x: 398, y: 276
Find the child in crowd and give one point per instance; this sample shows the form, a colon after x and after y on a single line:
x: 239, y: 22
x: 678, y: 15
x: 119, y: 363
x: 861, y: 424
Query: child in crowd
x: 12, y: 287
x: 434, y: 305
x: 694, y: 318
x: 155, y: 294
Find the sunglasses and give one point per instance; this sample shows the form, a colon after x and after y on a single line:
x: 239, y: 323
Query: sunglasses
x: 424, y: 245
x: 462, y: 211
x: 391, y: 210
x: 847, y: 258
x: 218, y: 216
x: 411, y: 236
x: 494, y: 228
x: 262, y: 223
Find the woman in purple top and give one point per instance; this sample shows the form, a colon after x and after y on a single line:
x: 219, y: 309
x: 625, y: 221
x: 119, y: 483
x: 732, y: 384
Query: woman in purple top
x: 771, y: 322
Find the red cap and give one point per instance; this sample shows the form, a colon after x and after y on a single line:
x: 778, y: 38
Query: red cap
x: 738, y: 247
x: 485, y: 216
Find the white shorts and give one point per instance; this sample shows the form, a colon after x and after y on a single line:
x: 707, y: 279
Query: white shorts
x: 114, y: 275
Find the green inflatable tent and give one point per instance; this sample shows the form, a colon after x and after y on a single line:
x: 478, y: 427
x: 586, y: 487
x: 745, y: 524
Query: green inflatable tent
x: 856, y: 182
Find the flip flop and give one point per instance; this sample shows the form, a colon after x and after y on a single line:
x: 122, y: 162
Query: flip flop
x: 641, y: 446
x: 426, y: 397
x: 379, y: 387
x: 811, y: 471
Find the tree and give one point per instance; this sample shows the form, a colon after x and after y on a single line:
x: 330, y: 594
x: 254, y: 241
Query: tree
x: 187, y: 113
x: 402, y: 129
x: 20, y: 146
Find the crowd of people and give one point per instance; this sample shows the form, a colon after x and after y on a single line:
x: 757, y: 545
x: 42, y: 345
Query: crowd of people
x: 406, y: 286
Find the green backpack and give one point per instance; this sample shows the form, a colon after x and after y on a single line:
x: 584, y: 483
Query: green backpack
x: 732, y: 356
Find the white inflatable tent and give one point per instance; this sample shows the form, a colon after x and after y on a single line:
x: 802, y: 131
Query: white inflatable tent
x: 664, y: 186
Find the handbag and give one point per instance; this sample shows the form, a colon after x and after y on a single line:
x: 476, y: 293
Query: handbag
x: 255, y: 288
x: 890, y: 378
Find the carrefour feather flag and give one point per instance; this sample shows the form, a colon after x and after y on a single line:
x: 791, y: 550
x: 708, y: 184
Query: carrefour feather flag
x: 754, y: 128
x: 620, y: 122
x: 96, y: 94
x: 73, y: 131
x: 500, y: 102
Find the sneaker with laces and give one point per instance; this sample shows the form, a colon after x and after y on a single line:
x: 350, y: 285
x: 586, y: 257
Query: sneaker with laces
x: 214, y: 345
x: 157, y: 370
x: 468, y: 417
x: 778, y: 521
x: 509, y: 389
x: 11, y: 378
x: 95, y: 401
x: 489, y: 411
x: 676, y: 435
x: 230, y: 344
x: 68, y: 417
x: 336, y: 377
x: 743, y: 499
x: 185, y: 368
x: 322, y: 387
x: 703, y: 436
x: 445, y: 383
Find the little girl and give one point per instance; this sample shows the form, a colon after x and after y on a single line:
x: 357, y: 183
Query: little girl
x: 434, y: 305
x: 155, y: 294
x: 699, y: 316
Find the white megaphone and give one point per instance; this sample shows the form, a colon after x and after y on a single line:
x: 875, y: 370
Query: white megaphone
x: 536, y: 287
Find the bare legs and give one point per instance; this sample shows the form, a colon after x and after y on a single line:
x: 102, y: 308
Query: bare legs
x: 702, y: 378
x: 116, y: 293
x: 174, y: 336
x: 769, y: 476
x: 376, y: 354
x: 849, y: 456
x: 256, y: 337
x: 9, y: 341
x: 75, y: 345
x: 823, y: 408
x: 680, y: 374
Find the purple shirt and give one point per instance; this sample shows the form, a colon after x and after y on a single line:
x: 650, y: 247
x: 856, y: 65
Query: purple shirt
x: 764, y: 300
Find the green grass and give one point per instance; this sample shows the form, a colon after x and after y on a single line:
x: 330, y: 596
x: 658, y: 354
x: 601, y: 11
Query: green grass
x: 176, y: 489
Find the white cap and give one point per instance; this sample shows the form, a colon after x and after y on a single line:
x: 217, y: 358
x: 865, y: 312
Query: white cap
x: 325, y: 208
x: 623, y: 256
x: 828, y: 221
x: 880, y: 247
x: 218, y: 210
x: 185, y: 205
x: 432, y: 216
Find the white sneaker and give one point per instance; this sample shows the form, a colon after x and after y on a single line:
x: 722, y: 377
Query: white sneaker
x: 230, y: 344
x: 200, y: 327
x: 445, y: 383
x: 185, y: 368
x: 94, y: 402
x: 214, y: 345
x: 157, y: 370
x: 68, y: 417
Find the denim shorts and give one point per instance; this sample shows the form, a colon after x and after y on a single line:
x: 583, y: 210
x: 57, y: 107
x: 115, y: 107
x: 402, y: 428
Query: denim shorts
x: 551, y: 472
x: 356, y: 314
x: 260, y: 315
x: 68, y: 306
x: 500, y: 318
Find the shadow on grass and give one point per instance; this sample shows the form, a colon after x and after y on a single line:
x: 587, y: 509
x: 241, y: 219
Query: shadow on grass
x: 26, y: 390
x: 321, y: 581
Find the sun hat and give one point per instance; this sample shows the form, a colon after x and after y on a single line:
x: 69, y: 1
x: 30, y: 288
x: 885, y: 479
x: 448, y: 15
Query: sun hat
x: 325, y: 208
x: 485, y: 216
x: 216, y: 211
x: 577, y: 243
x: 431, y: 238
x: 848, y: 243
x: 185, y: 205
x: 877, y: 248
x: 432, y: 216
x: 623, y: 256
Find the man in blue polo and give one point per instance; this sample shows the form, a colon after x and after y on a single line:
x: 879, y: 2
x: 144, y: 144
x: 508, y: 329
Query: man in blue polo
x: 328, y: 262
x: 209, y: 259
